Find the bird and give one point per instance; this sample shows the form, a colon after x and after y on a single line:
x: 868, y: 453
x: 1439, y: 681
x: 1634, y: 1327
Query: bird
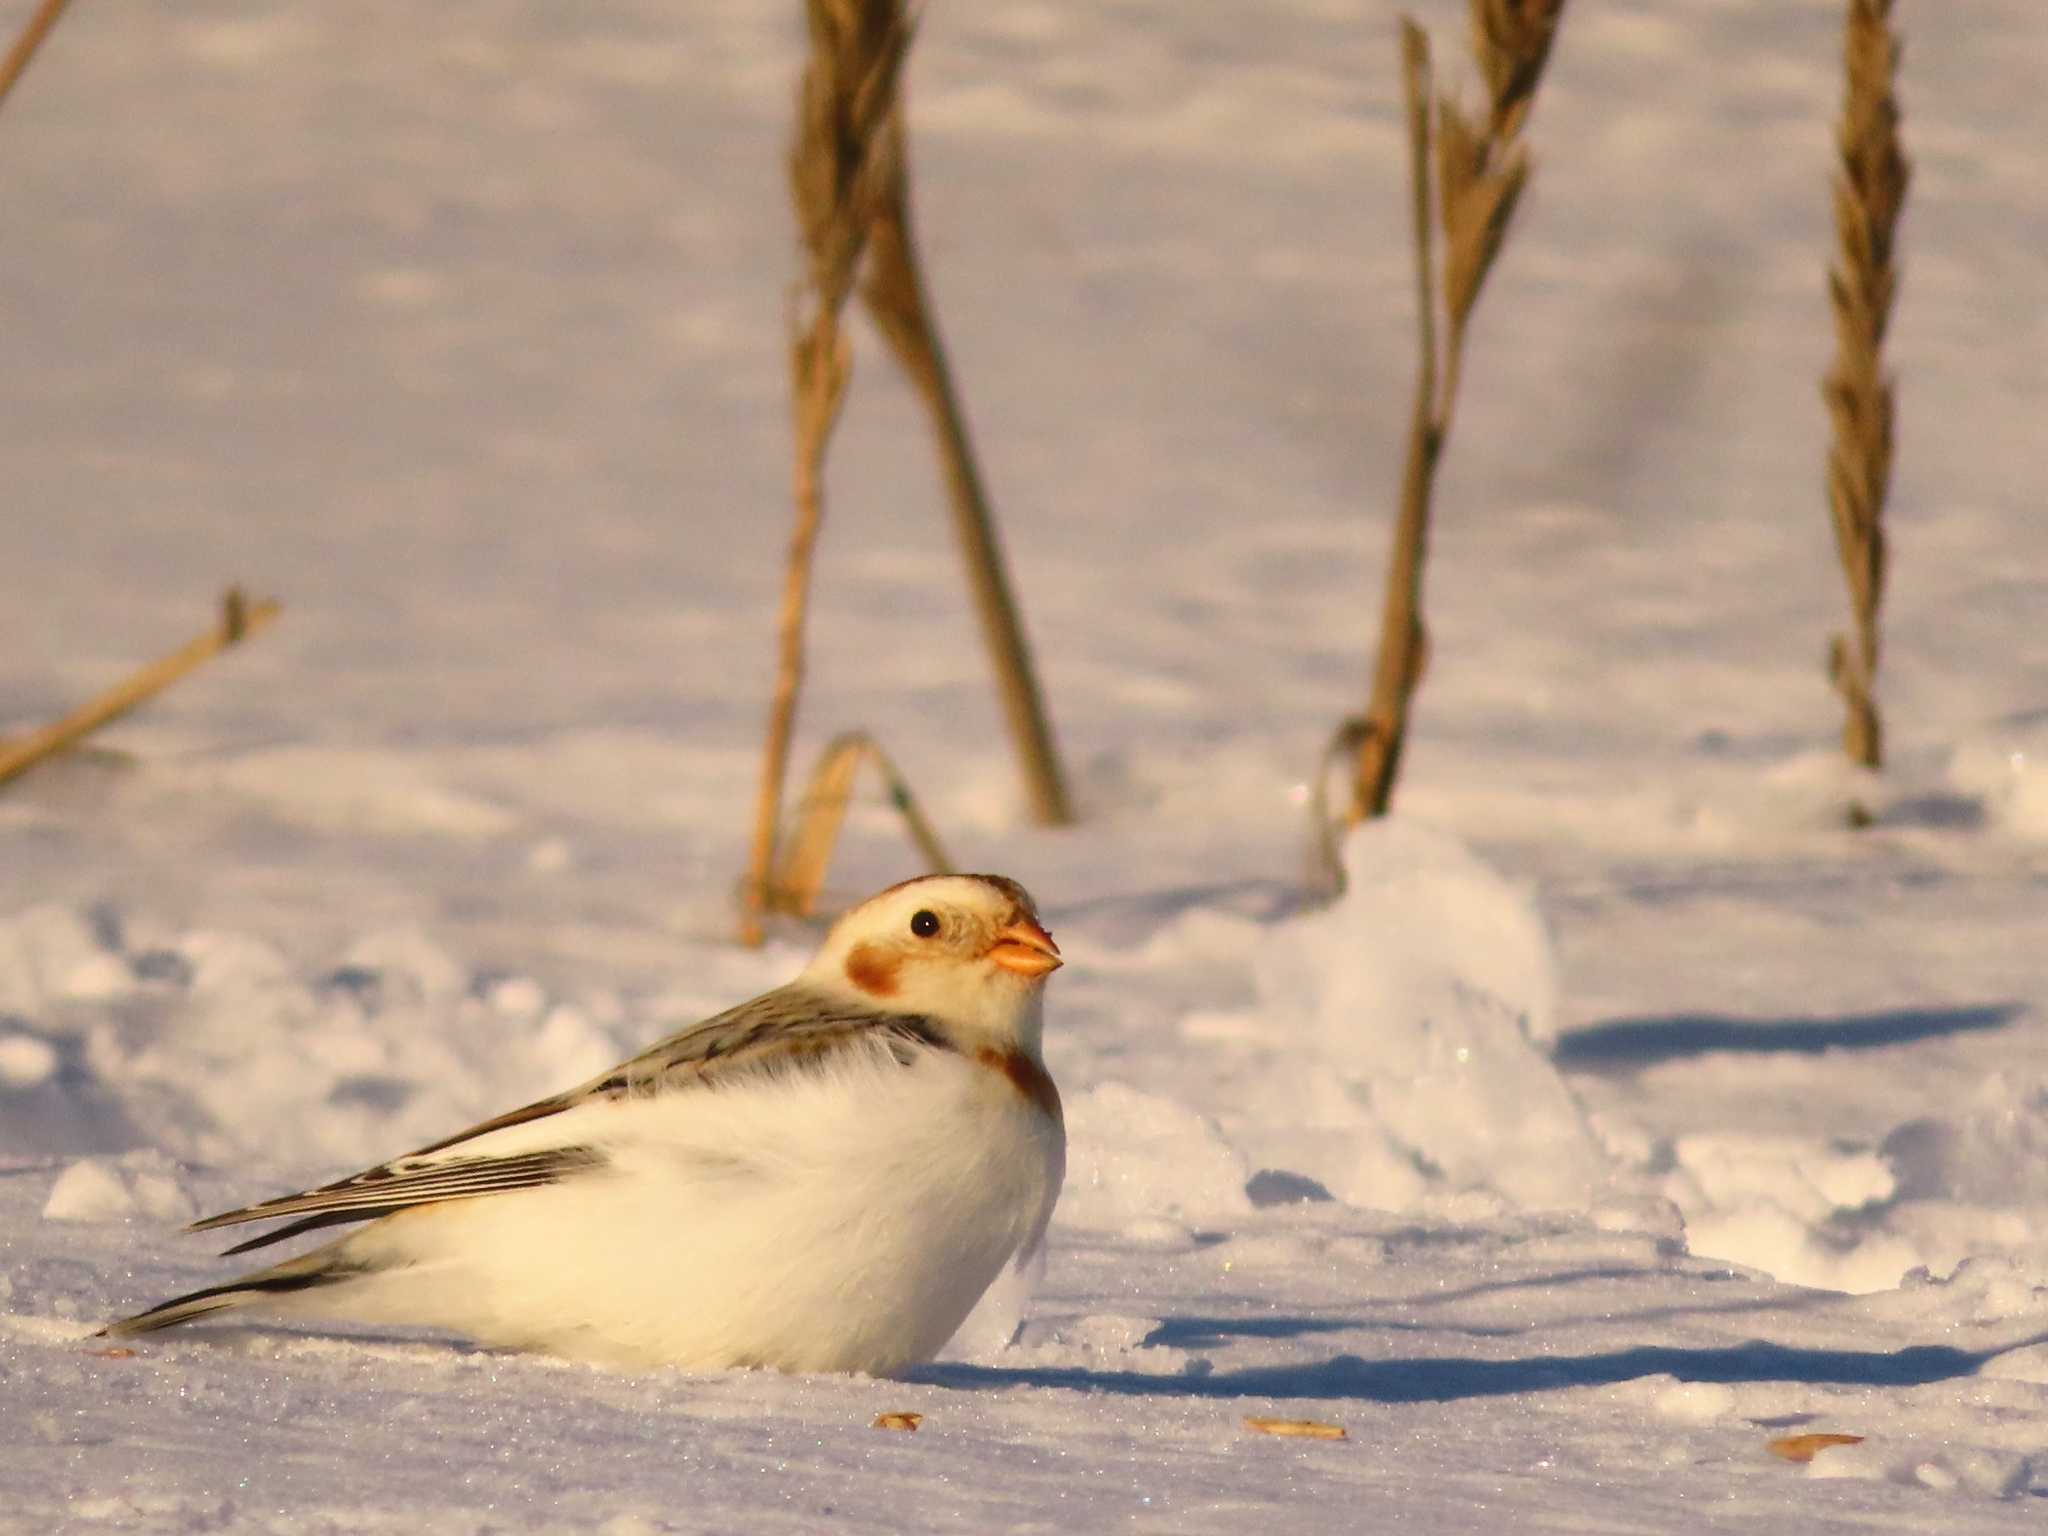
x: 824, y: 1179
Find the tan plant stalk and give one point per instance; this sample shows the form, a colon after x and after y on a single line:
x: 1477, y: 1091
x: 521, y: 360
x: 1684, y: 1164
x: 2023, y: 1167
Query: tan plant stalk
x: 837, y: 173
x: 896, y: 298
x: 1869, y: 192
x: 1470, y: 176
x: 807, y: 852
x: 24, y: 47
x: 1382, y: 732
x: 239, y: 619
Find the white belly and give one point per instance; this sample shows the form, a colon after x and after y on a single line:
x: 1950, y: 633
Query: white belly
x: 808, y: 1224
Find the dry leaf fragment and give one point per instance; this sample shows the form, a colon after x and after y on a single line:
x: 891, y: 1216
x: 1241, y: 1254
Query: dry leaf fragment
x: 1298, y: 1429
x: 113, y: 1352
x: 1806, y: 1447
x: 903, y: 1421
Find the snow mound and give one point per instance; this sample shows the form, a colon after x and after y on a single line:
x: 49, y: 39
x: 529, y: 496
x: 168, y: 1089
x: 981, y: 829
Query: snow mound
x: 1939, y: 1193
x: 1767, y: 1203
x: 25, y: 1060
x: 1422, y: 919
x: 1410, y: 1018
x: 2008, y: 776
x: 230, y: 1054
x: 1995, y: 1153
x: 52, y: 954
x: 1959, y: 1469
x: 1134, y: 1158
x: 141, y: 1183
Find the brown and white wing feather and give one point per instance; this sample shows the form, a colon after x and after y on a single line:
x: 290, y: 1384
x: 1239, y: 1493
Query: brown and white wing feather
x: 791, y: 1029
x: 412, y: 1181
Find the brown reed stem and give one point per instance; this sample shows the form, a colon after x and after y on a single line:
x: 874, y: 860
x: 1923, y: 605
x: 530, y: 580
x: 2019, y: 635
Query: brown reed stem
x: 838, y: 168
x: 898, y: 301
x: 1470, y: 176
x: 1869, y: 193
x: 1404, y: 644
x: 239, y: 619
x: 40, y: 23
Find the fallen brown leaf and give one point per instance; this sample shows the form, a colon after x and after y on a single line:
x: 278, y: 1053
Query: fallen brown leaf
x: 904, y: 1421
x: 1806, y: 1447
x: 1298, y: 1429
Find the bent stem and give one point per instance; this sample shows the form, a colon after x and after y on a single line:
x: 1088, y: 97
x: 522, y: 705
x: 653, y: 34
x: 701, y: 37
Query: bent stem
x: 238, y: 621
x: 40, y: 23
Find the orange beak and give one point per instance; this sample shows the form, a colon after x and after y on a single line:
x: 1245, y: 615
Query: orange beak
x: 1025, y: 948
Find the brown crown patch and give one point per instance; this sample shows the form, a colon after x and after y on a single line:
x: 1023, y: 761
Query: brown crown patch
x: 1003, y: 883
x: 873, y: 969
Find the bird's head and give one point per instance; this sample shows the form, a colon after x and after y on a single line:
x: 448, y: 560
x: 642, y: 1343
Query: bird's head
x: 967, y: 950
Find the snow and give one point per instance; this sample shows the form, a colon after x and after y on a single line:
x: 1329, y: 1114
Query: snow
x: 140, y: 1183
x: 26, y: 1061
x: 1624, y: 1114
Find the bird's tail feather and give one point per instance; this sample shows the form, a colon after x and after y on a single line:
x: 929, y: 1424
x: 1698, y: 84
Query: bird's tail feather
x: 296, y: 1275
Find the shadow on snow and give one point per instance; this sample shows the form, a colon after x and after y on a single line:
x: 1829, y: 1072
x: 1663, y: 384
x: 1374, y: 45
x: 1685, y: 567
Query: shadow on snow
x: 1628, y: 1044
x: 1450, y: 1380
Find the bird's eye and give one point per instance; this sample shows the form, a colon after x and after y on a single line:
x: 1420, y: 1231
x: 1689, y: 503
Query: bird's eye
x: 924, y: 923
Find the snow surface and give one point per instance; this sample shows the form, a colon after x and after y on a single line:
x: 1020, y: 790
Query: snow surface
x: 1625, y: 1114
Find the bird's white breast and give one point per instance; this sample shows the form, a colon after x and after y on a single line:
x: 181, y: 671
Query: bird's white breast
x: 843, y: 1218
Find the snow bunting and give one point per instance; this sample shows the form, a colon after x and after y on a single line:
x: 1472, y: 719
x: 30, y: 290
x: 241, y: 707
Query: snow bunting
x: 824, y: 1179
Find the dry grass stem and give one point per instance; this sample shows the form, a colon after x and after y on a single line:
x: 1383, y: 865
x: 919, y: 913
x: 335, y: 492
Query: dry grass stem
x: 1512, y: 39
x: 239, y: 619
x: 896, y: 298
x: 838, y: 170
x: 807, y: 853
x: 1382, y: 733
x: 1869, y: 192
x: 1803, y: 1448
x: 1466, y: 178
x: 24, y: 47
x: 1294, y: 1429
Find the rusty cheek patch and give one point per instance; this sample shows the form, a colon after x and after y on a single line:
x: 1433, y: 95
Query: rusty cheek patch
x: 873, y: 970
x: 1026, y: 1076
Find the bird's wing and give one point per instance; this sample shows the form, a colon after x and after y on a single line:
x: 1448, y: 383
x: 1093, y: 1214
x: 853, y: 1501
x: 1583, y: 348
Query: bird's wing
x: 792, y: 1029
x: 415, y: 1181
